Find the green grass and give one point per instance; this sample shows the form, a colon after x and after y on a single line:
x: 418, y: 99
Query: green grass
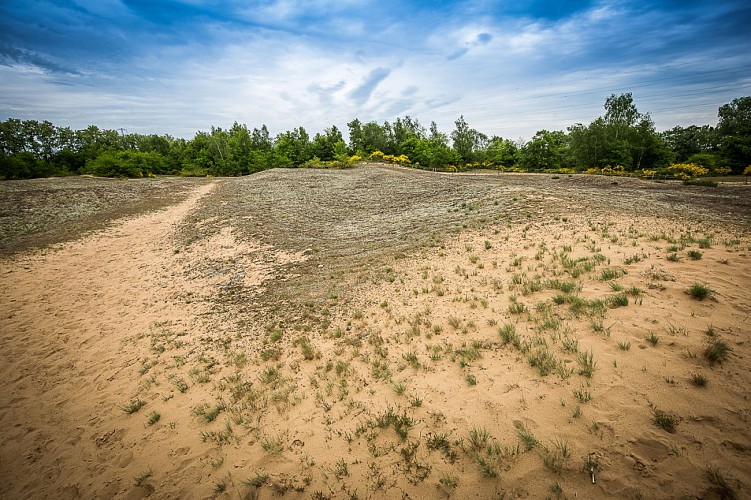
x: 273, y: 444
x: 694, y: 254
x: 611, y: 274
x: 586, y: 362
x: 478, y: 439
x: 717, y: 350
x: 257, y: 481
x: 652, y: 339
x: 143, y: 476
x: 699, y: 380
x: 700, y: 291
x: 133, y: 406
x: 583, y: 394
x: 618, y: 300
x: 544, y: 361
x: 517, y: 308
x: 526, y: 436
x: 666, y: 421
x: 507, y: 333
x: 153, y: 418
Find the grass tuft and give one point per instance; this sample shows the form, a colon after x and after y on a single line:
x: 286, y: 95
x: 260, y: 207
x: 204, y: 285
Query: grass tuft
x: 700, y: 291
x: 666, y: 421
x: 133, y: 406
x: 699, y: 380
x: 717, y: 350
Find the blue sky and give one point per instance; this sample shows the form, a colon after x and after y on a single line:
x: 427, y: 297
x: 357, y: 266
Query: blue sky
x: 510, y: 67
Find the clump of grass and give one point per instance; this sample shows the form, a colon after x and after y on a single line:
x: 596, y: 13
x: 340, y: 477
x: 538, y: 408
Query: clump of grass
x: 448, y: 481
x: 525, y: 435
x: 273, y: 444
x: 181, y: 384
x: 720, y: 484
x: 700, y: 291
x: 478, y: 439
x: 442, y: 443
x: 673, y: 257
x: 153, y: 418
x: 611, y: 274
x: 666, y: 421
x: 517, y: 308
x: 624, y: 345
x: 507, y: 333
x: 143, y: 476
x: 586, y: 362
x: 717, y: 350
x: 699, y: 380
x: 618, y: 300
x: 652, y: 338
x: 208, y: 413
x: 583, y: 394
x: 399, y: 387
x: 554, y: 458
x: 401, y: 423
x: 694, y: 254
x: 471, y: 379
x: 133, y: 406
x: 411, y: 358
x: 257, y: 481
x: 543, y: 360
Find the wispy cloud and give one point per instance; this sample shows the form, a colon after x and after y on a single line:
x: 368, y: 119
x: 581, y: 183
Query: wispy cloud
x: 362, y: 92
x: 511, y: 68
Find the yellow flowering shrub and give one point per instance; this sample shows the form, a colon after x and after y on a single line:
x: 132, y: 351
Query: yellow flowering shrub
x: 685, y: 171
x: 376, y: 155
x: 592, y: 171
x: 648, y: 173
x: 747, y: 171
x: 616, y: 170
x: 722, y: 171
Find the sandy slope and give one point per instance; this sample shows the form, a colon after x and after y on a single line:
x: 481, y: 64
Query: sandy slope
x: 406, y: 387
x: 69, y: 323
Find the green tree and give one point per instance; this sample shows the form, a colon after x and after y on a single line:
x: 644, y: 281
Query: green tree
x: 688, y: 141
x: 623, y: 136
x: 467, y: 141
x: 502, y: 152
x: 356, y: 137
x: 546, y: 151
x: 323, y: 144
x: 734, y: 129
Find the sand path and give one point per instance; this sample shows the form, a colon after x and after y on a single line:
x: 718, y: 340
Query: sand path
x: 69, y: 318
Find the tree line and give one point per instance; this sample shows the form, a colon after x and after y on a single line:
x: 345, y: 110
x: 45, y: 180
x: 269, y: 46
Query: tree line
x: 622, y: 139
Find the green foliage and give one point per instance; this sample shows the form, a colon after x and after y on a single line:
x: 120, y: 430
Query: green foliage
x: 620, y: 142
x: 546, y: 151
x: 666, y: 421
x: 125, y: 164
x: 623, y: 136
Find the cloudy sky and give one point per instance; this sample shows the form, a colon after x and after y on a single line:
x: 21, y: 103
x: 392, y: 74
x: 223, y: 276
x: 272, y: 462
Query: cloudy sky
x: 510, y: 67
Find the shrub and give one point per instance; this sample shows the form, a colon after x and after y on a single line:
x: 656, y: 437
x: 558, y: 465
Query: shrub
x: 685, y: 171
x: 666, y: 421
x: 717, y: 350
x: 700, y: 291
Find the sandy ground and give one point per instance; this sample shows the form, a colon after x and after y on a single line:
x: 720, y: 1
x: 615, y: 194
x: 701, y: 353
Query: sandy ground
x: 546, y: 349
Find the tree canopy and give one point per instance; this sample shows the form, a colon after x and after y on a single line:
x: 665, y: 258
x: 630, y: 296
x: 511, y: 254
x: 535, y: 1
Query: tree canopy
x: 623, y: 138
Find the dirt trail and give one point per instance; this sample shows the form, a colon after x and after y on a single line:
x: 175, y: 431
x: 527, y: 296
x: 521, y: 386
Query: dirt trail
x: 68, y: 325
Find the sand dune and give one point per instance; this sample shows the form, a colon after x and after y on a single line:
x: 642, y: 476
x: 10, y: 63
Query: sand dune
x: 513, y: 358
